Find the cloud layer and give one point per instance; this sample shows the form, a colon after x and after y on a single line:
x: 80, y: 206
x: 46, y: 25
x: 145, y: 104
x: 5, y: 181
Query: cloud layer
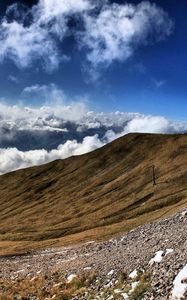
x: 106, y: 32
x: 34, y: 136
x: 13, y: 159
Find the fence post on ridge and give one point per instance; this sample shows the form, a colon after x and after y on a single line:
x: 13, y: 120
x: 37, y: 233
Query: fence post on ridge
x: 153, y: 174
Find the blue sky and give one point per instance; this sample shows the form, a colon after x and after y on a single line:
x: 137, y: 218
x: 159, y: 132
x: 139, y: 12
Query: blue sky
x: 153, y: 80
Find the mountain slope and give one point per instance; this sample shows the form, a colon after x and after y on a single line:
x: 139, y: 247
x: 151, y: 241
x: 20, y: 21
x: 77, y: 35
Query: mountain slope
x: 94, y: 195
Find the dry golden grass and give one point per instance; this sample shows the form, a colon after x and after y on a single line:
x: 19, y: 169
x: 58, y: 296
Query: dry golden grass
x: 84, y: 286
x: 93, y: 196
x: 52, y: 286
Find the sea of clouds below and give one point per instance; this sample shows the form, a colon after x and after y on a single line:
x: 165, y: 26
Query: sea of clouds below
x: 34, y: 136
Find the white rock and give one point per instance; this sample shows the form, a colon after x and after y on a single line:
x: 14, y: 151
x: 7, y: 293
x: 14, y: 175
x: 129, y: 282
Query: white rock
x: 134, y: 285
x: 110, y: 297
x: 125, y: 296
x: 71, y: 277
x: 111, y: 273
x: 87, y: 268
x: 180, y: 287
x: 168, y: 251
x: 33, y: 279
x: 133, y: 274
x: 157, y: 258
x: 184, y: 213
x: 109, y: 284
x: 20, y: 271
x: 57, y: 285
x: 117, y: 291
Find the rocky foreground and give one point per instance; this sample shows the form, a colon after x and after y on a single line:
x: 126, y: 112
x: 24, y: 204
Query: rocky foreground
x: 149, y: 262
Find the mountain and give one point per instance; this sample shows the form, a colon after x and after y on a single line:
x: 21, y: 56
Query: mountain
x: 134, y: 180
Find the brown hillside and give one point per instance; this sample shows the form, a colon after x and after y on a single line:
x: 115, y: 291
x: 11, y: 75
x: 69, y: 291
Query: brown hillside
x: 95, y: 195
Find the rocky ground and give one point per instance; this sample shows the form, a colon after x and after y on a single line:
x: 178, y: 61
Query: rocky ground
x: 147, y: 263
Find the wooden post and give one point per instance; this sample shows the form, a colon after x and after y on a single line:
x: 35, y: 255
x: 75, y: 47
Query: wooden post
x: 154, y: 177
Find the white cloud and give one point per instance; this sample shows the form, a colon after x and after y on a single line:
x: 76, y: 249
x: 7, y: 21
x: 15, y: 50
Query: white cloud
x: 25, y: 44
x: 146, y: 124
x: 56, y: 102
x: 13, y: 78
x: 54, y: 113
x: 152, y: 124
x: 45, y: 93
x: 112, y: 33
x: 119, y: 29
x: 159, y: 83
x: 48, y: 10
x: 12, y: 159
x: 26, y: 117
x: 35, y: 88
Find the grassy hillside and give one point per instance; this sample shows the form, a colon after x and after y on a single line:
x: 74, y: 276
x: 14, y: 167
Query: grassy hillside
x: 95, y: 195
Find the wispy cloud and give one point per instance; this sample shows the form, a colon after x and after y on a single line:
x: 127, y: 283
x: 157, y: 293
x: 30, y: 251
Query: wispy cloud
x: 13, y: 78
x: 27, y: 43
x: 45, y: 93
x: 110, y: 32
x: 119, y: 29
x: 159, y: 83
x: 56, y: 102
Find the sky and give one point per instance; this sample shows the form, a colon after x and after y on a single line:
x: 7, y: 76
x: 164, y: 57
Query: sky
x: 88, y: 71
x: 152, y: 80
